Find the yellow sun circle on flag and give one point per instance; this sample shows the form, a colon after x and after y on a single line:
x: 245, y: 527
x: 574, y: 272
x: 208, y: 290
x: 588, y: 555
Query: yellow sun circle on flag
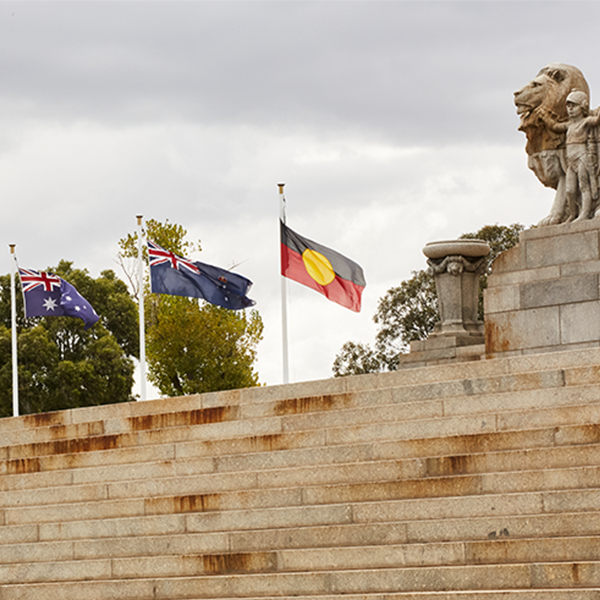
x: 318, y: 266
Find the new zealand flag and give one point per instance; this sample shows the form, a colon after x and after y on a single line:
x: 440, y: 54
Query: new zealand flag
x: 177, y: 276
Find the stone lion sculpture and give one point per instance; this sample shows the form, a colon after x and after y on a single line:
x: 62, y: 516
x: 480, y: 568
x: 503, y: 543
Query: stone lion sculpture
x: 542, y: 100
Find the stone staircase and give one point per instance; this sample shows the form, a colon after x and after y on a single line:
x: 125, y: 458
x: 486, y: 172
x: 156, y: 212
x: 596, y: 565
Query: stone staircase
x: 466, y: 481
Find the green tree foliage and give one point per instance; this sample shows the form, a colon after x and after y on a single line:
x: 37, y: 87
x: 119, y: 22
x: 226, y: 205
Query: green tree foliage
x: 193, y: 346
x: 409, y: 311
x: 60, y: 365
x: 356, y: 359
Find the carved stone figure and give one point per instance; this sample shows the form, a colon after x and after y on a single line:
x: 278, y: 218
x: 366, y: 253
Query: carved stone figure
x: 581, y: 151
x: 546, y: 96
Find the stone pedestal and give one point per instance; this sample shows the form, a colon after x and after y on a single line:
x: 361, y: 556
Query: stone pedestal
x: 543, y: 294
x: 456, y: 266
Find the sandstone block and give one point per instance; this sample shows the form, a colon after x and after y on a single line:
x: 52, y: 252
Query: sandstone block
x: 579, y: 322
x: 560, y: 249
x: 410, y: 511
x: 111, y: 528
x: 60, y: 513
x: 514, y: 330
x: 585, y: 411
x: 150, y: 545
x: 296, y: 457
x: 566, y: 290
x: 504, y: 549
x: 38, y: 552
x: 508, y: 526
x: 502, y: 298
x: 353, y: 534
x: 262, y: 519
x: 44, y: 572
x: 517, y: 277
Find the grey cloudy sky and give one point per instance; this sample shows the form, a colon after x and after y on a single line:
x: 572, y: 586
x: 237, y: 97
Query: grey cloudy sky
x: 391, y: 123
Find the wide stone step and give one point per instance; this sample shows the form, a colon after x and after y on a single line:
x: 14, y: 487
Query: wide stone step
x: 364, y: 557
x: 242, y: 584
x: 328, y: 465
x: 582, y: 362
x: 283, y: 528
x: 191, y: 478
x: 360, y: 482
x: 577, y: 414
x: 549, y: 594
x: 272, y: 451
x: 579, y: 367
x: 477, y: 516
x: 562, y: 408
x: 42, y: 565
x: 144, y: 589
x: 51, y: 428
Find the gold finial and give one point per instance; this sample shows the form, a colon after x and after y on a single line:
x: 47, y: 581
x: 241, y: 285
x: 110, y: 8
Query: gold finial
x: 139, y: 219
x: 281, y: 186
x: 12, y: 248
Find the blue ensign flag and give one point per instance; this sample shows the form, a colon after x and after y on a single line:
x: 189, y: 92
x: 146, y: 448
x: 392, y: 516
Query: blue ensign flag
x: 177, y: 276
x: 48, y: 295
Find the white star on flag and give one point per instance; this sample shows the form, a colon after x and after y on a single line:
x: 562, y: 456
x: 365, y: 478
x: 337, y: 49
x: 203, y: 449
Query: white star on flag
x: 49, y: 304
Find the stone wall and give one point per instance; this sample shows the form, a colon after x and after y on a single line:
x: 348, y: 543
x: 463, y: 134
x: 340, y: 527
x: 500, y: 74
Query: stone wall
x: 543, y: 294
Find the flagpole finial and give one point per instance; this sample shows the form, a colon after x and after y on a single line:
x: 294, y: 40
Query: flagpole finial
x: 139, y: 219
x: 12, y: 248
x: 281, y: 186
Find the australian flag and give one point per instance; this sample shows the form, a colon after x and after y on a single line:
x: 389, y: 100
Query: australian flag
x: 48, y: 295
x: 177, y: 276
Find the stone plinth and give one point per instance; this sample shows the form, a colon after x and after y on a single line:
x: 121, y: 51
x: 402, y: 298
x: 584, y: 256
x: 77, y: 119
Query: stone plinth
x: 543, y: 294
x: 456, y: 266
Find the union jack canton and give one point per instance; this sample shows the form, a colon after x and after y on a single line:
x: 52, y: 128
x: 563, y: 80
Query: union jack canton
x: 160, y: 256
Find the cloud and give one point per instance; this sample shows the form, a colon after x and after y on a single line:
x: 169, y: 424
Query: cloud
x: 391, y: 123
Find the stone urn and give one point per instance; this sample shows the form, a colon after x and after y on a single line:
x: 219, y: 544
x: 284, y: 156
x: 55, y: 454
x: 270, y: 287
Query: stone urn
x: 456, y: 266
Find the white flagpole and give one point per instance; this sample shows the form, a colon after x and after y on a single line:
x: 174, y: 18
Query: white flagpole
x: 284, y: 329
x: 13, y: 327
x: 141, y: 309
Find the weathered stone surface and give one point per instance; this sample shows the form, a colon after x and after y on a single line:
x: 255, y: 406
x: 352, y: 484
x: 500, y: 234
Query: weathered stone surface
x: 566, y: 290
x: 580, y: 322
x: 561, y: 248
x: 550, y: 300
x: 468, y: 478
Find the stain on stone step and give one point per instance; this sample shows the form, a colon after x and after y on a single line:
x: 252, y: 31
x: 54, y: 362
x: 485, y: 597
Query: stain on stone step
x: 249, y: 562
x: 448, y: 465
x: 308, y: 404
x: 75, y: 445
x: 183, y: 504
x: 19, y: 466
x: 43, y: 419
x: 200, y: 416
x: 273, y: 441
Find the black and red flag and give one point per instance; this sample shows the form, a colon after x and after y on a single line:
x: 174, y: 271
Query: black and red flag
x: 338, y: 278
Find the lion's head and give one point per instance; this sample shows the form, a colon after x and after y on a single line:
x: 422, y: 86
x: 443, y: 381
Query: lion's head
x: 548, y: 89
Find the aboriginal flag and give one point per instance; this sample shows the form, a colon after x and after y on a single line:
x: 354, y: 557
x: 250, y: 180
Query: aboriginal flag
x: 338, y: 278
